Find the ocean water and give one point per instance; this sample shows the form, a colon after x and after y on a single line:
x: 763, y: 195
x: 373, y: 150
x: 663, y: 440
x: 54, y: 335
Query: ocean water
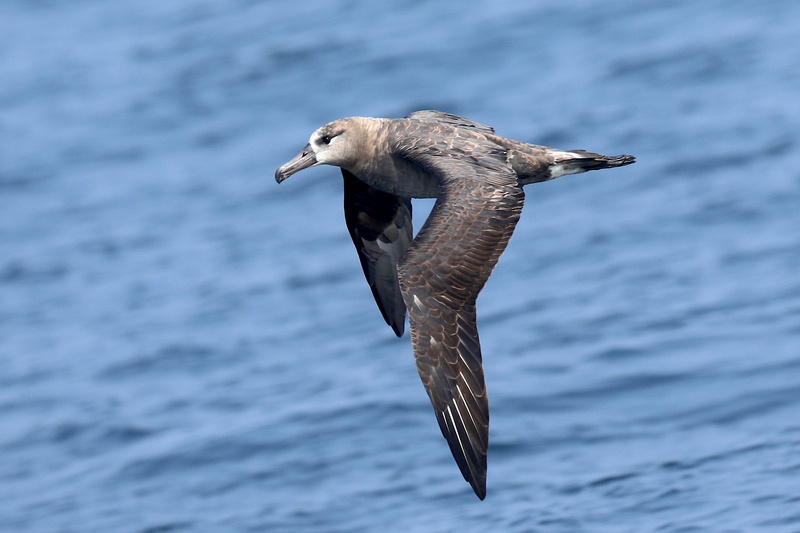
x: 186, y: 346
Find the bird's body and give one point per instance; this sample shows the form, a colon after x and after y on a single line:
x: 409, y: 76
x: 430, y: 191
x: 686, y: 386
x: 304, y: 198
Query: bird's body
x: 477, y: 178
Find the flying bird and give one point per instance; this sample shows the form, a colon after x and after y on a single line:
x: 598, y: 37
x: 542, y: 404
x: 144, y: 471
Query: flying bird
x: 476, y: 177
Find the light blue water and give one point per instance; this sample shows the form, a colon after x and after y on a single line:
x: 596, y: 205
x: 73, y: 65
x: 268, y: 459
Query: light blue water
x: 186, y: 346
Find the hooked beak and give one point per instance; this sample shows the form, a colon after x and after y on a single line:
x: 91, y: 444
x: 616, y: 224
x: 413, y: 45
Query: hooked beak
x: 304, y: 159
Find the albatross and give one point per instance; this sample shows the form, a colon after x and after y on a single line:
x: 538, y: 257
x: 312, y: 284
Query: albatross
x: 477, y: 178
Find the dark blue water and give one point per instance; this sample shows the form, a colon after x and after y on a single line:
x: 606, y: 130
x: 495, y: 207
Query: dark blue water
x: 186, y: 346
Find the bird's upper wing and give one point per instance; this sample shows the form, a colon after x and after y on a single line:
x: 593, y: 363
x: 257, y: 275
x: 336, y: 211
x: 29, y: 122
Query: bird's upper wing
x: 448, y: 118
x: 441, y: 275
x: 380, y: 226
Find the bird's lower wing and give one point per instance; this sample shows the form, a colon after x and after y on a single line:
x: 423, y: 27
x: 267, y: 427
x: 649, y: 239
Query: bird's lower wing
x: 380, y: 226
x: 441, y: 275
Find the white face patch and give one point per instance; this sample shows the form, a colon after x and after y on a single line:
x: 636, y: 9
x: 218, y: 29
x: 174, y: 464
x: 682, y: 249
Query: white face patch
x: 324, y: 152
x: 314, y: 141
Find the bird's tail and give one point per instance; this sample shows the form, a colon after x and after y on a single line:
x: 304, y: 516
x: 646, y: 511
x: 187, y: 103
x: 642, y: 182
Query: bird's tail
x: 576, y: 161
x: 591, y: 161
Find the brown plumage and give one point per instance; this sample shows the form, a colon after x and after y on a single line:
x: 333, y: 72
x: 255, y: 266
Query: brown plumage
x: 477, y: 178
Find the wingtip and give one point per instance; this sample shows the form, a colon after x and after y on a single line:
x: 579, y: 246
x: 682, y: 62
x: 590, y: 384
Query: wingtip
x: 398, y: 328
x: 477, y: 480
x: 396, y: 322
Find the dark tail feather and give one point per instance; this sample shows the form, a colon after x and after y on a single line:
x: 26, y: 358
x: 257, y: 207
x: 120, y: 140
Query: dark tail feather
x: 592, y: 161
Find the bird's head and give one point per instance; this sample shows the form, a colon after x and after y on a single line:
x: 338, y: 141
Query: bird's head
x: 335, y: 143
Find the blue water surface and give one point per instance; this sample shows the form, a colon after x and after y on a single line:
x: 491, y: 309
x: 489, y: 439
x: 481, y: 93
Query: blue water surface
x: 186, y: 346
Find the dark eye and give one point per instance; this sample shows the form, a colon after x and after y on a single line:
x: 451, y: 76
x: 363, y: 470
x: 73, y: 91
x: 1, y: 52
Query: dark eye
x: 326, y: 139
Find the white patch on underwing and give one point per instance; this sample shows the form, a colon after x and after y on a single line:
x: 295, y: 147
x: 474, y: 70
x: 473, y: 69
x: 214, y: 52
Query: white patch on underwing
x: 387, y: 247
